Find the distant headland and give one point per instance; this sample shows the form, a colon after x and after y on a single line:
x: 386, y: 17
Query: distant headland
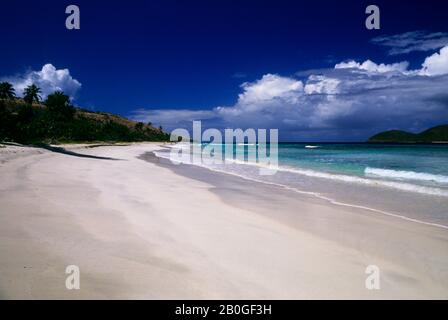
x: 438, y: 134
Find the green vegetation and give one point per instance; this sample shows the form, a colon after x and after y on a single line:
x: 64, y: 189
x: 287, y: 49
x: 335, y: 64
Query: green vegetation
x: 437, y: 134
x: 31, y: 94
x: 7, y: 91
x: 57, y: 121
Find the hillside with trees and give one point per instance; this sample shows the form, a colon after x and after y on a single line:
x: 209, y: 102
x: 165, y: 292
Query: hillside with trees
x: 438, y: 134
x: 30, y: 120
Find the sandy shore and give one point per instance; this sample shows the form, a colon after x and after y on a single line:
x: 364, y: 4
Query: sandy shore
x: 139, y: 227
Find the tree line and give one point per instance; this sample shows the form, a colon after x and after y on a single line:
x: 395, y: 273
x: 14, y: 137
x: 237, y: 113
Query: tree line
x: 55, y: 119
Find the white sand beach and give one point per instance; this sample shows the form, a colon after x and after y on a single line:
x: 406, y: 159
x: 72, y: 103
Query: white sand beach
x: 145, y: 230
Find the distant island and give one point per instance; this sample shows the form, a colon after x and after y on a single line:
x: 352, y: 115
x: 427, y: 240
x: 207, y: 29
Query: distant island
x: 438, y: 134
x: 29, y: 120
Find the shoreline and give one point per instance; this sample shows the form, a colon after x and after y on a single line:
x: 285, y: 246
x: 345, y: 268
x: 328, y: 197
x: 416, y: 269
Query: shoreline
x: 294, y: 198
x: 395, y: 198
x: 151, y: 230
x: 325, y: 198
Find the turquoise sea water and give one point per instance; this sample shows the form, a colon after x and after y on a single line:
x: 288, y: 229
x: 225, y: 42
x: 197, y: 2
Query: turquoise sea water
x: 419, y: 164
x: 407, y: 180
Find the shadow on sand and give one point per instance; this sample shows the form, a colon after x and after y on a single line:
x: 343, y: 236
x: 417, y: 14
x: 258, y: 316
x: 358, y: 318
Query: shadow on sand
x: 71, y: 153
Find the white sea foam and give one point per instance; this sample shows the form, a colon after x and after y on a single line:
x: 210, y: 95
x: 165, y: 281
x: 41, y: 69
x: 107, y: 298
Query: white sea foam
x: 401, y: 186
x: 405, y: 175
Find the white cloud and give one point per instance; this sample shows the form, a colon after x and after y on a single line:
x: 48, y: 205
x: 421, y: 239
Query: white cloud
x: 270, y: 86
x: 350, y: 102
x: 437, y: 64
x: 434, y: 65
x: 372, y: 67
x: 48, y: 79
x: 318, y: 84
x: 412, y: 41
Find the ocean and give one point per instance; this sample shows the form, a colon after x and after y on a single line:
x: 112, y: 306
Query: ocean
x: 409, y: 181
x: 419, y: 165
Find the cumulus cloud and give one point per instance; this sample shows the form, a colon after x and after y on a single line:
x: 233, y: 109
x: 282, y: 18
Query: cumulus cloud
x: 318, y: 84
x: 351, y: 101
x: 372, y: 67
x: 437, y: 64
x: 412, y: 41
x: 269, y: 87
x: 49, y: 79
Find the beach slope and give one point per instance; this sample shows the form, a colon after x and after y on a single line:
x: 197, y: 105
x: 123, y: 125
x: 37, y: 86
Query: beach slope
x: 141, y: 228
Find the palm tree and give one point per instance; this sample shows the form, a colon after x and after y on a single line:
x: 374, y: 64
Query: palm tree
x: 31, y: 94
x: 58, y: 103
x: 7, y: 91
x: 57, y: 99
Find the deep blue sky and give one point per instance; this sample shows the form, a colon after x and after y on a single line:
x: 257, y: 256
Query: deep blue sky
x: 184, y: 54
